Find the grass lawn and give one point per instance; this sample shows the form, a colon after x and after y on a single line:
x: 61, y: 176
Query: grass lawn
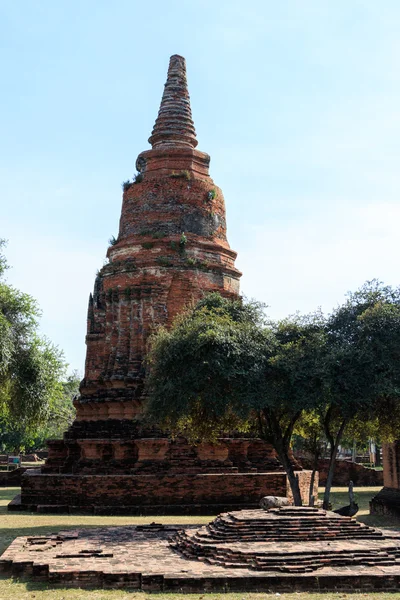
x: 13, y: 525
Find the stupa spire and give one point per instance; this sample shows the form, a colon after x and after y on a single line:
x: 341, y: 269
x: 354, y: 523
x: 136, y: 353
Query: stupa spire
x: 174, y: 125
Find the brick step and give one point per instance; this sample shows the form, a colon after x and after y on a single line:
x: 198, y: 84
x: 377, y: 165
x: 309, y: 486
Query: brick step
x: 192, y: 545
x: 280, y: 533
x: 252, y: 539
x: 286, y: 538
x: 295, y: 562
x: 293, y: 568
x: 288, y: 527
x: 289, y: 531
x: 176, y: 470
x: 299, y: 567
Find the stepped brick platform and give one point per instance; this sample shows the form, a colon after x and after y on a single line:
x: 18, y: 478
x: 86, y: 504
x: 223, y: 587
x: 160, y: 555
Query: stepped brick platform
x: 279, y: 551
x: 171, y: 249
x: 311, y: 538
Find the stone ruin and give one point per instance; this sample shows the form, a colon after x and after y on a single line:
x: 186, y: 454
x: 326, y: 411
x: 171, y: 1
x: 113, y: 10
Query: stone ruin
x: 171, y: 249
x: 284, y: 549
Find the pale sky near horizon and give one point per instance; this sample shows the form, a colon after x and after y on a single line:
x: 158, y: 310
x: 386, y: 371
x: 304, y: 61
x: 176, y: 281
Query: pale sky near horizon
x: 296, y: 101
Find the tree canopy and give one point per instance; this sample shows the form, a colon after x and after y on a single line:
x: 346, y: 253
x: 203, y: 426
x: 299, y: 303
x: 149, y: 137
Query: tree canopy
x: 203, y: 371
x: 31, y: 367
x: 223, y: 365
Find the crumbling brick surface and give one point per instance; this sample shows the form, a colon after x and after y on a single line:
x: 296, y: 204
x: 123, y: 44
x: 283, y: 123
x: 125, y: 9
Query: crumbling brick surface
x: 227, y: 555
x: 346, y: 471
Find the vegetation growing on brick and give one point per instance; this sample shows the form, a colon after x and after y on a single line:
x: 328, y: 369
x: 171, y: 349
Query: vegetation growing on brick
x: 183, y: 240
x: 164, y: 261
x: 181, y: 175
x: 126, y: 185
x: 211, y: 194
x: 198, y: 264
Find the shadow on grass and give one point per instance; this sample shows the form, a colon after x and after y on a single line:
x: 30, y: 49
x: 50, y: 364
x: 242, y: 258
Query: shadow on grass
x: 7, y: 494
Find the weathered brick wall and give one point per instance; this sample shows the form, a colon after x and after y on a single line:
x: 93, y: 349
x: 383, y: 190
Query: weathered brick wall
x: 160, y: 454
x: 304, y: 478
x: 11, y: 478
x: 150, y: 278
x: 194, y: 492
x: 151, y: 490
x: 346, y: 471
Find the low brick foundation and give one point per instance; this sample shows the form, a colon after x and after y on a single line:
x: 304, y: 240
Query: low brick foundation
x: 12, y: 478
x: 142, y: 558
x: 151, y: 494
x: 346, y: 471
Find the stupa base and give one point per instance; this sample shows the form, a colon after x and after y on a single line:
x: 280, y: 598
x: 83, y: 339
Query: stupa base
x: 155, y: 494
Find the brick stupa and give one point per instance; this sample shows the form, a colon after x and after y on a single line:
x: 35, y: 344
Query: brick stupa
x: 171, y: 249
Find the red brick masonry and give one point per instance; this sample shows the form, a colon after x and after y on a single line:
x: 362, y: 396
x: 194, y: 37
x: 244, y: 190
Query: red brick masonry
x: 147, y: 558
x: 151, y: 494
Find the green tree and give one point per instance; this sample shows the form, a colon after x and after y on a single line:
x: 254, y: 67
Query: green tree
x: 31, y: 368
x: 222, y: 365
x: 202, y: 371
x: 14, y: 437
x: 62, y: 412
x: 363, y: 384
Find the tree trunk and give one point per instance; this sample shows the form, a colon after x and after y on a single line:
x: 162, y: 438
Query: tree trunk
x: 377, y: 455
x: 332, y: 463
x: 270, y: 430
x: 293, y: 479
x: 312, y: 481
x: 351, y: 493
x: 329, y: 480
x: 354, y: 452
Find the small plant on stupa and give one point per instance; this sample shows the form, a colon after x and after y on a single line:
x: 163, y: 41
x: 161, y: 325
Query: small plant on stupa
x: 158, y: 235
x: 147, y: 245
x: 138, y: 177
x: 182, y: 241
x: 181, y: 175
x: 126, y: 185
x: 198, y: 264
x: 113, y: 240
x: 211, y: 194
x: 164, y: 261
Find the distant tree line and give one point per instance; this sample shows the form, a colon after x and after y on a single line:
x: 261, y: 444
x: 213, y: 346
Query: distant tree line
x: 35, y: 391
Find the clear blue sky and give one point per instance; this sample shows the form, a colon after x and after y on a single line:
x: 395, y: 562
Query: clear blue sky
x: 296, y: 101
